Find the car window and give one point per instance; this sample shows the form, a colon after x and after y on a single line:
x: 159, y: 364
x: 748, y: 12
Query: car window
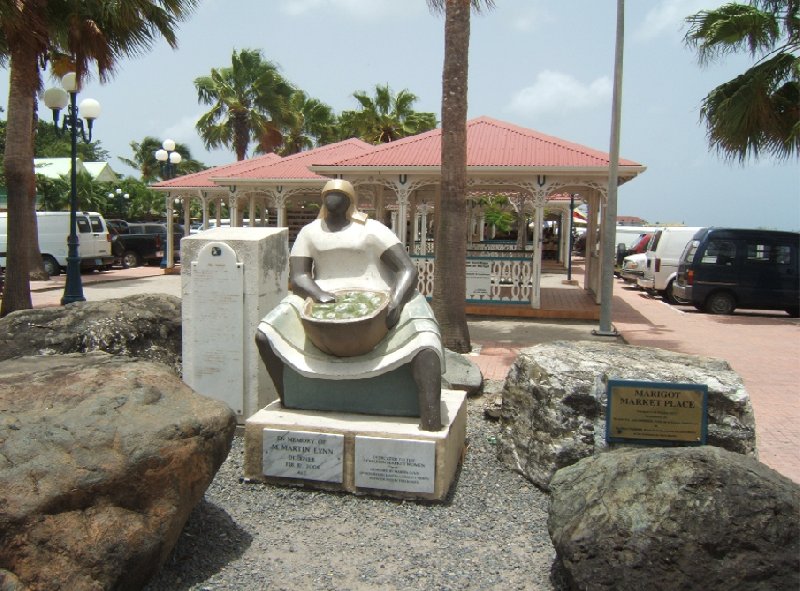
x: 719, y: 252
x: 783, y: 254
x: 654, y: 241
x: 97, y: 223
x: 83, y: 225
x: 758, y: 251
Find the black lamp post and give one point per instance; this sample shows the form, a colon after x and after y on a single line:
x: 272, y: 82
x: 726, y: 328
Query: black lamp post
x: 169, y: 159
x: 56, y: 99
x: 121, y: 202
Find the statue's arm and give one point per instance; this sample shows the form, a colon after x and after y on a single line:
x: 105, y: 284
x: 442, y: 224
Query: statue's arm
x: 405, y: 280
x: 302, y: 280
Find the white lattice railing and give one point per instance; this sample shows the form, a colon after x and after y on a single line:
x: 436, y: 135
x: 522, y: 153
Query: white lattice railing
x: 509, y: 279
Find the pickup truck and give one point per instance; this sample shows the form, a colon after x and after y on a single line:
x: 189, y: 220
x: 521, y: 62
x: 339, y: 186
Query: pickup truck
x: 134, y: 250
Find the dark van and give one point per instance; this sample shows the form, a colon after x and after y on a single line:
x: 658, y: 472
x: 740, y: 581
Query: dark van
x: 722, y: 269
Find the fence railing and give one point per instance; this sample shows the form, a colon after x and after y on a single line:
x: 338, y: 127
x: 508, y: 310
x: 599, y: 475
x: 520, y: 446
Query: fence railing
x: 490, y: 279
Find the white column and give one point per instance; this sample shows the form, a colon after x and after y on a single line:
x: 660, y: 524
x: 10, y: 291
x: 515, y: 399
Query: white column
x: 536, y: 276
x: 402, y: 215
x: 251, y: 210
x: 168, y: 255
x: 423, y: 239
x: 187, y: 214
x: 233, y: 209
x: 204, y: 200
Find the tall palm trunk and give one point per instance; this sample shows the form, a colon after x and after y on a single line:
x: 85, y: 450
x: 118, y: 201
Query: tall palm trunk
x: 20, y: 178
x: 449, y: 290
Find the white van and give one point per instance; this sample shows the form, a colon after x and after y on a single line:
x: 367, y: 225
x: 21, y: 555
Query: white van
x: 663, y: 255
x: 94, y: 240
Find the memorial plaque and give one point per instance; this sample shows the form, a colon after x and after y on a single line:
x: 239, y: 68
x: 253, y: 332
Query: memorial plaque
x: 303, y: 454
x: 656, y: 412
x: 407, y: 465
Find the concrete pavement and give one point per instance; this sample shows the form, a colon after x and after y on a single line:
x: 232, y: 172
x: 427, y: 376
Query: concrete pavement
x: 763, y: 347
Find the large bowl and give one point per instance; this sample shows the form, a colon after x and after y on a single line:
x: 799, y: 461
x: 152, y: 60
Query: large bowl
x: 347, y: 337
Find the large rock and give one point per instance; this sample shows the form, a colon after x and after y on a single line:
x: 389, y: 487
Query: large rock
x: 554, y: 401
x: 144, y: 326
x: 102, y: 459
x: 675, y: 518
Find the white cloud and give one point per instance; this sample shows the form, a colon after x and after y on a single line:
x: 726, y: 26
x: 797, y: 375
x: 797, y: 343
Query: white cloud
x: 531, y: 19
x: 668, y: 17
x: 558, y: 93
x: 361, y: 9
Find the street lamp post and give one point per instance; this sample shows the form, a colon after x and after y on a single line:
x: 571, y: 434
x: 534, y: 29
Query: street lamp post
x: 169, y: 159
x: 56, y: 99
x: 121, y: 201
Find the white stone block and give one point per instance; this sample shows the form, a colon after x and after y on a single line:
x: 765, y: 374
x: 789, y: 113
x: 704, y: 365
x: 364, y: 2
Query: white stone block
x: 220, y: 358
x: 430, y: 458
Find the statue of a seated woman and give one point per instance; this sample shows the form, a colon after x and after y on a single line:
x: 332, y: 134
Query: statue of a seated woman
x: 343, y: 249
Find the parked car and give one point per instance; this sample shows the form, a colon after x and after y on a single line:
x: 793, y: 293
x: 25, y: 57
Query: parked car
x: 160, y: 229
x: 722, y: 269
x: 633, y: 268
x: 94, y: 240
x: 134, y: 250
x: 636, y: 246
x: 663, y: 253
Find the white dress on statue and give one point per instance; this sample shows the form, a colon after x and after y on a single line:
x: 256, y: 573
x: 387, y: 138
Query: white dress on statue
x: 349, y: 258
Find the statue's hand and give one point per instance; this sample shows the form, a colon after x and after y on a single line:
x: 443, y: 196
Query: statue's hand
x: 325, y: 298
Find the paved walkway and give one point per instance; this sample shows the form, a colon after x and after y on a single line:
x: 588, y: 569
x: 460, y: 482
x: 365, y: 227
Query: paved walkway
x: 763, y: 347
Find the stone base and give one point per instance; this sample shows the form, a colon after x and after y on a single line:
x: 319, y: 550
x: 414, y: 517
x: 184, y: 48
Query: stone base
x: 360, y: 454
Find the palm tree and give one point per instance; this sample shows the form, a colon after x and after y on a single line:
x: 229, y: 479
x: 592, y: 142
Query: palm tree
x: 759, y: 110
x: 385, y: 117
x: 449, y: 281
x: 249, y: 103
x: 87, y: 33
x: 313, y: 124
x: 144, y: 159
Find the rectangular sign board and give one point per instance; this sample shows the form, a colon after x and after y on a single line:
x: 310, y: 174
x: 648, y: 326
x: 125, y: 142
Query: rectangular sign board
x: 395, y: 464
x: 479, y: 278
x: 657, y: 413
x: 303, y: 454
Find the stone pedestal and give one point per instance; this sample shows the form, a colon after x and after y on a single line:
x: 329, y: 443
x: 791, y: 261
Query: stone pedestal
x: 230, y: 279
x: 357, y: 453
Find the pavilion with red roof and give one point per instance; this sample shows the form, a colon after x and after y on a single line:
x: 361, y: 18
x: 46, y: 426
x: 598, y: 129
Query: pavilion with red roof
x: 399, y: 182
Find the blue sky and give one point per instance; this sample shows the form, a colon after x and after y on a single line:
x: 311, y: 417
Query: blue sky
x: 535, y: 63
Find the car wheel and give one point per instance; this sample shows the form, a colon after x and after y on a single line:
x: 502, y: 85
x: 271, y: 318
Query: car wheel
x: 131, y: 259
x: 669, y: 295
x: 793, y: 312
x: 720, y: 302
x: 51, y: 266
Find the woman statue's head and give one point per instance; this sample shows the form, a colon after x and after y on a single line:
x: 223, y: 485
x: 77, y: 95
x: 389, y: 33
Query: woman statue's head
x: 339, y: 187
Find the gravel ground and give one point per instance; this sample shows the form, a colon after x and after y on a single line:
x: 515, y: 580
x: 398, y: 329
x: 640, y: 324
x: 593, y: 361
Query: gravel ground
x: 490, y: 534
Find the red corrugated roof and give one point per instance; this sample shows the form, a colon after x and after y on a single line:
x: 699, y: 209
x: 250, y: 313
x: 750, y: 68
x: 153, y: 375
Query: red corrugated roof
x: 200, y: 180
x: 490, y: 142
x: 295, y: 166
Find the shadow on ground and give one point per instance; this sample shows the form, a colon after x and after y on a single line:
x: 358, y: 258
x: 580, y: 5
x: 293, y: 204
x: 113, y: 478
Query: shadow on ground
x: 210, y: 540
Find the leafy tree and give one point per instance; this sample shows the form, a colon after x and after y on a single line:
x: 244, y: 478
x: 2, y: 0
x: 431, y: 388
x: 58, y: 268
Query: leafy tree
x: 249, y: 104
x: 759, y: 110
x: 53, y: 193
x: 85, y: 33
x: 313, y: 124
x: 496, y: 213
x: 449, y: 281
x: 144, y: 159
x: 49, y: 144
x: 385, y: 117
